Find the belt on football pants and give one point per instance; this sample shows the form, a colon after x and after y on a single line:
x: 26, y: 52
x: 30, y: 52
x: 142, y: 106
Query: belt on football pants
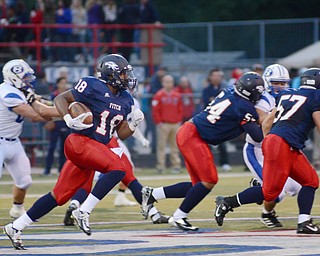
x: 7, y: 139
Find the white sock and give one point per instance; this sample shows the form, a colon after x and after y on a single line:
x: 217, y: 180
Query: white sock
x: 152, y: 211
x: 18, y: 206
x: 178, y: 214
x: 303, y: 218
x: 265, y: 211
x: 22, y: 222
x: 158, y: 193
x: 75, y: 202
x: 89, y: 203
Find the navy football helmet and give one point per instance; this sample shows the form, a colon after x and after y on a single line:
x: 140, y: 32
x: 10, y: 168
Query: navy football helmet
x: 250, y: 86
x: 114, y: 70
x: 311, y: 77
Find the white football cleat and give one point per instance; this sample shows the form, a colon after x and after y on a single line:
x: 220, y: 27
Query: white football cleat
x: 122, y: 200
x: 16, y: 211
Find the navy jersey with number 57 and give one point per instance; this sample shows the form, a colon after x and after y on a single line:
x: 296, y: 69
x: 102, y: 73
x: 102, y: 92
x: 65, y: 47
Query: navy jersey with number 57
x: 108, y: 110
x: 223, y: 118
x: 293, y: 120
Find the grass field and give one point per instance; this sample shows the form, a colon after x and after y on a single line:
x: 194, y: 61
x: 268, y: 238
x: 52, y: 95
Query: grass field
x: 108, y: 217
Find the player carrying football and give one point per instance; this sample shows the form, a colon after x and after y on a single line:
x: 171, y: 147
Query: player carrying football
x: 86, y: 147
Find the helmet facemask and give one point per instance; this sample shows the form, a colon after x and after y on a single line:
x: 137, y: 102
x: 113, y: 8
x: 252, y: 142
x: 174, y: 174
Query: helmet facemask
x: 115, y: 71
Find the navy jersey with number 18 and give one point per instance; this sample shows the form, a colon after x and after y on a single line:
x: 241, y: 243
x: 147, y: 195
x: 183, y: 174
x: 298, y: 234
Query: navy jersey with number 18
x: 223, y: 118
x: 108, y: 110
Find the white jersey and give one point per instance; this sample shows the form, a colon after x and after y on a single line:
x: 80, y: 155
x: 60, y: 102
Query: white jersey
x: 11, y: 123
x: 265, y: 104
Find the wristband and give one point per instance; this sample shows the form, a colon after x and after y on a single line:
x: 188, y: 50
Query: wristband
x: 67, y: 118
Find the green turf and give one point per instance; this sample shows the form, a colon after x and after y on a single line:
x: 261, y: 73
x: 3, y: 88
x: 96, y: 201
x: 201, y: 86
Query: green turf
x: 107, y: 212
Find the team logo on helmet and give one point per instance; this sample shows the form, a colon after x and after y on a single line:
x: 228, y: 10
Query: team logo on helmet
x: 268, y: 72
x: 112, y: 65
x: 17, y: 69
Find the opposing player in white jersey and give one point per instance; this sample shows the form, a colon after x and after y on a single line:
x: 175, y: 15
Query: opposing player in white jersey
x: 17, y: 101
x: 276, y: 79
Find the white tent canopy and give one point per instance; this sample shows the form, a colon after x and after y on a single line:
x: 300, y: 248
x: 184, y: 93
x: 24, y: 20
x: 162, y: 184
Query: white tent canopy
x: 306, y: 57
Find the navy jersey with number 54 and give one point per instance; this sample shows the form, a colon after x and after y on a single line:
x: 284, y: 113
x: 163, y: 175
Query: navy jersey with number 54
x: 223, y: 118
x: 108, y: 110
x: 293, y: 120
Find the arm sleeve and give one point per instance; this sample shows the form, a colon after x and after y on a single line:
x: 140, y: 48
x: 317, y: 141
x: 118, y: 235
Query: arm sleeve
x: 254, y: 130
x: 12, y: 100
x: 138, y: 135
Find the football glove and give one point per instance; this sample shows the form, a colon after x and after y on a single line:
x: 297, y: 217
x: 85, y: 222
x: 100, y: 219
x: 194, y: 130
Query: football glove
x: 136, y: 117
x: 76, y: 123
x: 30, y: 95
x: 145, y: 142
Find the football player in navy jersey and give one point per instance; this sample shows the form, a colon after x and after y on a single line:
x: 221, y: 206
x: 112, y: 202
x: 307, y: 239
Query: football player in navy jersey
x: 86, y: 147
x: 287, y: 129
x: 225, y: 118
x: 276, y: 78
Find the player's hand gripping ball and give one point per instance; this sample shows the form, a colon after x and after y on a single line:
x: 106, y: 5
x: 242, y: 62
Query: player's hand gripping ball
x: 77, y: 108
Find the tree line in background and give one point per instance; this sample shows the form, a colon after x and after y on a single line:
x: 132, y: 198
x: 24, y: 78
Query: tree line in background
x: 231, y: 10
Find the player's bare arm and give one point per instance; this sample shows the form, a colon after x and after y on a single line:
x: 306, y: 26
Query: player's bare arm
x: 62, y: 102
x: 316, y: 119
x: 267, y: 123
x: 124, y: 131
x: 262, y: 115
x: 27, y: 111
x: 44, y: 110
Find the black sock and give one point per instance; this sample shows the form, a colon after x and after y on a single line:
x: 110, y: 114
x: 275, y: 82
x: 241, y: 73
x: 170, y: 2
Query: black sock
x: 42, y: 206
x: 136, y: 188
x: 178, y: 190
x: 305, y: 200
x: 106, y: 183
x: 80, y: 196
x: 193, y: 197
x: 251, y: 195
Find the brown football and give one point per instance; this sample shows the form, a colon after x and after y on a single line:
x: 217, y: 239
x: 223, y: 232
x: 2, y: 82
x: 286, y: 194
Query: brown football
x: 78, y: 108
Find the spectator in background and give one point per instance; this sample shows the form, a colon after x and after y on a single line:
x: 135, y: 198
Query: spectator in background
x: 148, y: 15
x: 295, y: 81
x: 128, y: 14
x: 215, y: 85
x: 110, y: 17
x: 95, y: 16
x: 235, y: 75
x: 145, y: 100
x: 167, y: 115
x: 36, y: 17
x: 186, y: 92
x: 42, y: 87
x: 258, y: 68
x: 58, y: 132
x: 49, y: 9
x: 23, y: 17
x: 79, y: 17
x: 63, y: 16
x: 155, y: 86
x: 16, y: 14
